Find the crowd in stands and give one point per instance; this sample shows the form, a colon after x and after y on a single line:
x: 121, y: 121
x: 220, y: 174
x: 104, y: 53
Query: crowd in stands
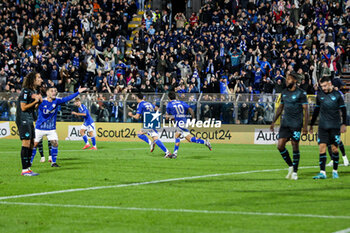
x: 224, y: 48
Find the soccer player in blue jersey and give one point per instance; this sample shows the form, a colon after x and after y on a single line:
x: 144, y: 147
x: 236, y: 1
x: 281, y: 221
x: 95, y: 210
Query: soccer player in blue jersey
x: 46, y: 123
x: 88, y: 125
x: 179, y: 111
x: 142, y: 107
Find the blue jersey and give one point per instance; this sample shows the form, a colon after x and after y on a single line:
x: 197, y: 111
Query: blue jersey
x: 145, y: 106
x: 47, y: 112
x: 179, y: 110
x: 87, y: 119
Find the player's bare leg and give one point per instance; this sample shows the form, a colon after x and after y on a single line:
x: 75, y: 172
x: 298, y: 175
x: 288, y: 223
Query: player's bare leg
x: 285, y: 155
x: 85, y: 138
x: 54, y: 152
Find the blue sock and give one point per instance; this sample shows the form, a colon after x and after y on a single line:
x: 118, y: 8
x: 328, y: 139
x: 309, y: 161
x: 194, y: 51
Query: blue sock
x: 54, y: 152
x: 93, y: 140
x: 86, y: 139
x: 161, y: 145
x: 199, y: 140
x: 177, y: 140
x: 144, y: 138
x: 33, y: 155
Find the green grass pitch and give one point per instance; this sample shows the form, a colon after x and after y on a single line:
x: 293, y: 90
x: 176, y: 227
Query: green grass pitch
x: 249, y: 194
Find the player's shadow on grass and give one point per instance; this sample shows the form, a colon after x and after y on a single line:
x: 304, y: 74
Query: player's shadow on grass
x: 59, y: 169
x: 196, y: 157
x: 63, y: 159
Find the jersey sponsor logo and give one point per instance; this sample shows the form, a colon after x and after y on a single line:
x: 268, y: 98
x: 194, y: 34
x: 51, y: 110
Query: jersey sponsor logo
x: 333, y: 98
x: 152, y: 120
x: 46, y: 111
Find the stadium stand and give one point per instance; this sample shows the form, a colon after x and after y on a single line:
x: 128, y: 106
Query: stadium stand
x: 113, y: 46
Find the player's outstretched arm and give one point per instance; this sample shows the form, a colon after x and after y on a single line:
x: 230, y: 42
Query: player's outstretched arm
x: 136, y: 116
x: 69, y: 98
x: 79, y: 114
x: 190, y: 110
x: 277, y: 115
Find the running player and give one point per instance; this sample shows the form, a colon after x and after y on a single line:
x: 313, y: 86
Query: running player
x: 179, y: 111
x: 330, y: 126
x: 293, y: 102
x: 142, y: 107
x: 88, y: 125
x: 27, y: 102
x: 46, y: 123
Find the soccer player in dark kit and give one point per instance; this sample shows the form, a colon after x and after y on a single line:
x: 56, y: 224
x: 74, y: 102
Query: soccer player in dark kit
x: 28, y: 100
x: 293, y: 102
x: 329, y: 104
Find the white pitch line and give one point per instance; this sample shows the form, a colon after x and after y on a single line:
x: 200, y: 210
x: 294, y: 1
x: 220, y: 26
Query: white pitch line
x: 142, y: 183
x: 178, y: 210
x: 343, y: 231
x: 17, y: 152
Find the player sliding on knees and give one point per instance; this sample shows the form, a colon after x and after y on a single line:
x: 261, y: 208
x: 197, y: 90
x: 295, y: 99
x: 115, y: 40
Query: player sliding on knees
x: 88, y: 125
x: 143, y: 107
x: 179, y: 111
x: 328, y: 103
x: 293, y: 102
x: 46, y: 123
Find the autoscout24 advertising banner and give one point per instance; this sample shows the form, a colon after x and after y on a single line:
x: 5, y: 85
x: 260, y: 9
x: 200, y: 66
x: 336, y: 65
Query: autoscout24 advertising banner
x: 127, y: 132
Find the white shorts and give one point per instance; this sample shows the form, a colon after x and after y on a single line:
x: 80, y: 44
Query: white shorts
x: 151, y: 132
x: 183, y: 131
x: 89, y: 128
x: 50, y: 134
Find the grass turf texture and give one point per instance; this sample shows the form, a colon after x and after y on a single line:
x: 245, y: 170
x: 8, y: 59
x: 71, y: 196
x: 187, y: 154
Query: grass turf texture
x: 124, y: 163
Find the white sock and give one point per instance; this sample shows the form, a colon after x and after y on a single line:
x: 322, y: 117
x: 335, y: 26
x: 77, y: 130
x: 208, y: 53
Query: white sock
x: 323, y: 172
x: 336, y: 171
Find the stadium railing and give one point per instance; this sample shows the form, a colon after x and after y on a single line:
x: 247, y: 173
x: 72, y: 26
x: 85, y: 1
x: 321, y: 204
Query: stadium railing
x: 115, y: 107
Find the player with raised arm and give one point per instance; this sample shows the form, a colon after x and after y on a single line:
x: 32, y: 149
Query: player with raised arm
x: 330, y: 126
x: 179, y: 111
x: 27, y: 102
x: 46, y: 123
x: 142, y: 107
x: 293, y: 102
x: 88, y: 125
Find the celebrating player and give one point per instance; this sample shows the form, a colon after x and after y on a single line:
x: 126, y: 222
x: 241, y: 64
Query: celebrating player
x: 88, y: 125
x: 330, y: 126
x: 143, y: 107
x: 27, y: 102
x: 293, y: 102
x: 46, y: 123
x: 179, y: 111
